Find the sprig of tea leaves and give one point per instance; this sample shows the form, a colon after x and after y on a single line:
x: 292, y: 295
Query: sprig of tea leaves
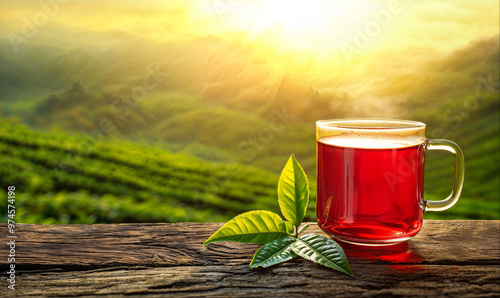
x: 281, y: 238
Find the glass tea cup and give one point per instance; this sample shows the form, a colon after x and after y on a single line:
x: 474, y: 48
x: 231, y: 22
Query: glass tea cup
x: 370, y: 179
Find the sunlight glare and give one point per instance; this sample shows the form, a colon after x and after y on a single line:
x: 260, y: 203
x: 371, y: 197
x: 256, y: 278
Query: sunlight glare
x: 304, y: 24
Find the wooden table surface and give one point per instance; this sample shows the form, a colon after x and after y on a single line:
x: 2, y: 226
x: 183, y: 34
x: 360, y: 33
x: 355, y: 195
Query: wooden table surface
x: 447, y: 258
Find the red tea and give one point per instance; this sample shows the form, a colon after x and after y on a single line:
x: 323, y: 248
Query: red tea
x: 370, y: 191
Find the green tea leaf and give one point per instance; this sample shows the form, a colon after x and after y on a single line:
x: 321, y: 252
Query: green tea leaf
x: 273, y: 253
x: 265, y: 227
x: 303, y: 228
x: 289, y: 227
x: 293, y: 192
x: 322, y: 250
x: 251, y: 227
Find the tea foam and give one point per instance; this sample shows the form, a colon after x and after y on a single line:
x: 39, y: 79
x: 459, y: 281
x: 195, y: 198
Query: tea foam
x: 372, y: 141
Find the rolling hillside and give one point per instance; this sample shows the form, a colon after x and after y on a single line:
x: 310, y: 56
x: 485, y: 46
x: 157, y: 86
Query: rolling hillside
x: 67, y: 179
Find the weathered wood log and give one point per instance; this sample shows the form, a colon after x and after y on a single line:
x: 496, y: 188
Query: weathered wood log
x: 449, y: 258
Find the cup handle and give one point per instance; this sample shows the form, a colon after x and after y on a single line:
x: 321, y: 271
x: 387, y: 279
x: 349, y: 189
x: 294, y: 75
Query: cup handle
x: 450, y: 146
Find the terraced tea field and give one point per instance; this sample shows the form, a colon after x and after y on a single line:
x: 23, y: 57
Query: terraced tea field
x: 67, y: 179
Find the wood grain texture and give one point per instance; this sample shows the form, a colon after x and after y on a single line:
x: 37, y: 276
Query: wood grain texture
x: 448, y: 258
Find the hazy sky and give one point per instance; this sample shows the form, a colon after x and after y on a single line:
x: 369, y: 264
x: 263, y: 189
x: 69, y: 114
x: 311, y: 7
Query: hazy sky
x: 321, y: 26
x: 315, y: 37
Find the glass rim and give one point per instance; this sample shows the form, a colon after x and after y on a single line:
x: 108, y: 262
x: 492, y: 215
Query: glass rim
x: 343, y: 123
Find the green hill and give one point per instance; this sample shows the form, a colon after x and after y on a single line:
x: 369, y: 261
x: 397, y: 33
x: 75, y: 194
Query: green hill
x: 68, y: 179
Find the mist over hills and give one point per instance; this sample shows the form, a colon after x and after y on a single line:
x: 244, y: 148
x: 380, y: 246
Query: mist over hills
x: 232, y: 74
x: 216, y: 74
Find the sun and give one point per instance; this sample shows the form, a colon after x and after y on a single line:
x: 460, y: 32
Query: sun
x: 296, y: 15
x: 307, y: 25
